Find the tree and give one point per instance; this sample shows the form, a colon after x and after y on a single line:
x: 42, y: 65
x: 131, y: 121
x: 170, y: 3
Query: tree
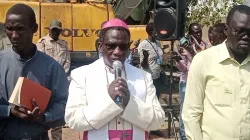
x: 208, y: 12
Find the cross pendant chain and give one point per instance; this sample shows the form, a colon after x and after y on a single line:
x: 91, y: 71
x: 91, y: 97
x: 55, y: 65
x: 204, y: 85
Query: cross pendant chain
x: 124, y: 135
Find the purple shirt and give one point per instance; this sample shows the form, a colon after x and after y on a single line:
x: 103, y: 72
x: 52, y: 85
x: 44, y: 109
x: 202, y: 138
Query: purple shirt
x: 183, y: 66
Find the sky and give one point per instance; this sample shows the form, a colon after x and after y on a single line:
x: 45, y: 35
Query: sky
x: 247, y: 2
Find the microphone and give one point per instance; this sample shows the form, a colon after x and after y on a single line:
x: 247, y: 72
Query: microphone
x: 117, y: 66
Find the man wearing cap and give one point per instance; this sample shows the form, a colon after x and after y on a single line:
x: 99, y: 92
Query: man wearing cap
x: 92, y: 107
x: 58, y: 49
x: 97, y: 41
x: 55, y: 47
x: 4, y: 40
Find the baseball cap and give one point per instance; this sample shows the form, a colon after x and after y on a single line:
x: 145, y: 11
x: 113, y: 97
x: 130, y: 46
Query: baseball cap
x: 115, y: 23
x: 56, y: 24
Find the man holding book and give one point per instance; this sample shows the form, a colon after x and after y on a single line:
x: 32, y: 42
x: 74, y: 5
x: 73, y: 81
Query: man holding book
x: 23, y: 60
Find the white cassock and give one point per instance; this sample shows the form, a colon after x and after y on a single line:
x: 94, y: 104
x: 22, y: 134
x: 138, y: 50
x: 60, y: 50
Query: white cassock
x: 91, y: 110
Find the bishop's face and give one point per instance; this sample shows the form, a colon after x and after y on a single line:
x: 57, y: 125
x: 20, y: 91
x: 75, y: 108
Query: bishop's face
x: 115, y: 46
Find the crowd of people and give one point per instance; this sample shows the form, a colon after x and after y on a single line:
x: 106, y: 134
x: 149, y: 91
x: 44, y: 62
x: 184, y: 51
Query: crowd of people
x: 214, y: 84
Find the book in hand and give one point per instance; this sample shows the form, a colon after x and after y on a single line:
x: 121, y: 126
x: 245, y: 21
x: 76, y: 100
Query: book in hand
x: 24, y: 92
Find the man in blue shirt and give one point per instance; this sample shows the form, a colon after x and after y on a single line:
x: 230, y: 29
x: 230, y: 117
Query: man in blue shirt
x: 24, y: 60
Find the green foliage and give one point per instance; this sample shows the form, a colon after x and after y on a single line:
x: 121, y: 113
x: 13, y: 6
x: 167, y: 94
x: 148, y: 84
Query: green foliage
x: 208, y: 12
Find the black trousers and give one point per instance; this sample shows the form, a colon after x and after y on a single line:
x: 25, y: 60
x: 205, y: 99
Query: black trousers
x: 157, y: 84
x: 45, y: 136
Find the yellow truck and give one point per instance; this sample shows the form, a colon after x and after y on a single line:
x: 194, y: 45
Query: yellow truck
x: 81, y: 21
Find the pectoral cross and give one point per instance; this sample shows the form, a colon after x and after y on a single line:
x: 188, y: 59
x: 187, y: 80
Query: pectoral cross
x: 124, y: 135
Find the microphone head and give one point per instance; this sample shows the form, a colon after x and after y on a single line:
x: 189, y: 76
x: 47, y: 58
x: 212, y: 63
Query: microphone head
x: 117, y: 64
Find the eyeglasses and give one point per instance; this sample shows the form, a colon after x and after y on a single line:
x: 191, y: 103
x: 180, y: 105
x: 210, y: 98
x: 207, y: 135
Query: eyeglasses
x: 112, y: 47
x: 240, y: 33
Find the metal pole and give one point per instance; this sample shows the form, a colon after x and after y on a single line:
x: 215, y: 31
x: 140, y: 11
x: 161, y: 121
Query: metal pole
x: 170, y: 91
x: 107, y: 8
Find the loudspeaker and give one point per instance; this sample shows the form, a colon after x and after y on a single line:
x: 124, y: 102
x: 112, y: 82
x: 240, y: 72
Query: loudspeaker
x: 169, y: 20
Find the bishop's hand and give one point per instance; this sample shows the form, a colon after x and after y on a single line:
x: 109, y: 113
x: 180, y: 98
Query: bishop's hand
x: 119, y: 88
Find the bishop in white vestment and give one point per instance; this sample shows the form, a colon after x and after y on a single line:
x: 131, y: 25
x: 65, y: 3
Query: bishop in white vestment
x: 91, y: 107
